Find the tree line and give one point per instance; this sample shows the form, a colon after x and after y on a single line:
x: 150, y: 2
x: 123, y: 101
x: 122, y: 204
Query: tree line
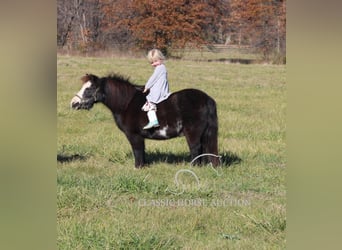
x: 91, y: 25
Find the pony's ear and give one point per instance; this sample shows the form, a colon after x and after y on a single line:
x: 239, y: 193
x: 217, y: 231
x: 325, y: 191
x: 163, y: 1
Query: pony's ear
x: 85, y: 78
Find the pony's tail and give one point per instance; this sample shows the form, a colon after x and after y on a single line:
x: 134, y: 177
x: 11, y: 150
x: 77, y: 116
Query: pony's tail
x: 209, y: 136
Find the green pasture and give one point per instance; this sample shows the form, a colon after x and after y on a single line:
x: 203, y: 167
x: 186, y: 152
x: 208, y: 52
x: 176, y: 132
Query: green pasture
x: 103, y: 202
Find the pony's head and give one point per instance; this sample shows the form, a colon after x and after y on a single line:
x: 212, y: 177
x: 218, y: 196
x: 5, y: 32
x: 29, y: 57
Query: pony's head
x: 90, y: 93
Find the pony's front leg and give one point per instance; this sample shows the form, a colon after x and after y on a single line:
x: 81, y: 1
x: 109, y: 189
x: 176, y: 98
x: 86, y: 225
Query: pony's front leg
x: 138, y: 146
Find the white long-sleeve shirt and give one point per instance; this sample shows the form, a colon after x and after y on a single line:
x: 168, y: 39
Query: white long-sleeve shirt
x: 158, y: 85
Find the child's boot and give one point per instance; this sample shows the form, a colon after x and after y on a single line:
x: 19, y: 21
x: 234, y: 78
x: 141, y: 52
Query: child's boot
x: 153, y: 120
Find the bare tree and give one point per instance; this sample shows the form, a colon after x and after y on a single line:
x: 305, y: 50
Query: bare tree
x: 78, y: 23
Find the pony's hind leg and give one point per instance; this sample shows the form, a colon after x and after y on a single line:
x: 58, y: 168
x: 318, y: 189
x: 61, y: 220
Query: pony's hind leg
x: 195, y: 146
x: 209, y: 146
x: 212, y: 156
x: 196, y: 150
x: 210, y: 134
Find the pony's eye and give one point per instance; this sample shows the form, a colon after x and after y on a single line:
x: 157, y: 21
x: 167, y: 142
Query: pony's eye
x: 88, y: 92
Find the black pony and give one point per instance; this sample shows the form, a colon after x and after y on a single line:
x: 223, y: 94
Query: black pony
x: 189, y: 112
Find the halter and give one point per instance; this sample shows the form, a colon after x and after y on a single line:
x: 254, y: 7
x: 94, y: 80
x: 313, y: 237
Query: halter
x: 93, y: 95
x: 81, y: 98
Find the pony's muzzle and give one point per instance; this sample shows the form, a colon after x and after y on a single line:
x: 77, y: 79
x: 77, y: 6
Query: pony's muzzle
x: 75, y: 102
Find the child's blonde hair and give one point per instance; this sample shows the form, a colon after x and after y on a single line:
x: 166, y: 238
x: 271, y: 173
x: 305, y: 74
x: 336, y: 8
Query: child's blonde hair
x: 155, y: 55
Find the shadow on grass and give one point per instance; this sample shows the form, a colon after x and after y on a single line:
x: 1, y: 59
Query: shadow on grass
x: 69, y: 158
x: 233, y: 60
x: 165, y: 157
x: 225, y: 60
x: 227, y: 158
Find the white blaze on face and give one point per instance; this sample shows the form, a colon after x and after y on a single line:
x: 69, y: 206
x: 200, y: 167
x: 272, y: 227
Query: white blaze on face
x: 80, y: 93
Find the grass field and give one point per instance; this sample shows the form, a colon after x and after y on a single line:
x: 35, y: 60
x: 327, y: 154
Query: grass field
x: 104, y: 203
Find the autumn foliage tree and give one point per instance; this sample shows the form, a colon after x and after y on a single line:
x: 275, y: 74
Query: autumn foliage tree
x: 164, y: 24
x: 260, y: 23
x: 88, y: 25
x: 115, y: 32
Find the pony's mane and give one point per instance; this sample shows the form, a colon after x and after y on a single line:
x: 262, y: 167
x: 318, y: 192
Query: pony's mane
x: 124, y: 79
x: 120, y: 91
x: 118, y: 77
